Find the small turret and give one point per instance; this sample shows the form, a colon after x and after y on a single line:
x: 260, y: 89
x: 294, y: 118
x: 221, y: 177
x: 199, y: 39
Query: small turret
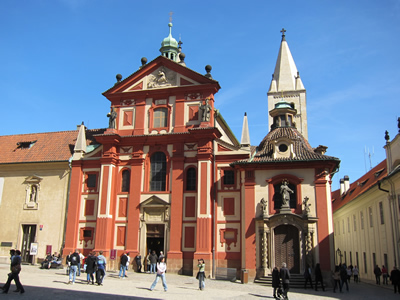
x: 245, y: 140
x: 169, y: 46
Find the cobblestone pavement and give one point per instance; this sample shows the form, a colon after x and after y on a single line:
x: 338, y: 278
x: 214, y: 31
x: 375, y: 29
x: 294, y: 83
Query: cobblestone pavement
x: 52, y: 284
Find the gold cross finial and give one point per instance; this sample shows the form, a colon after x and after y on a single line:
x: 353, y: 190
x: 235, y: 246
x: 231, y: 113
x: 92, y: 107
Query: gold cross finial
x: 170, y: 16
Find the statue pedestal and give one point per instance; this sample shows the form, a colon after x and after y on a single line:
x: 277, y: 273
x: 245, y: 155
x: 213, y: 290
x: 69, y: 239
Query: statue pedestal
x: 285, y: 209
x: 110, y: 131
x: 204, y: 124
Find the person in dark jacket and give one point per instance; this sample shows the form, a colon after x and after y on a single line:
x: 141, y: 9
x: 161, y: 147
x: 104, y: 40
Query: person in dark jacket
x: 122, y: 269
x: 307, y: 276
x: 276, y: 280
x: 318, y: 277
x: 74, y: 261
x: 14, y: 275
x: 91, y: 266
x: 378, y: 273
x: 285, y: 275
x: 395, y: 279
x: 101, y: 268
x: 343, y: 277
x: 138, y: 260
x: 153, y: 262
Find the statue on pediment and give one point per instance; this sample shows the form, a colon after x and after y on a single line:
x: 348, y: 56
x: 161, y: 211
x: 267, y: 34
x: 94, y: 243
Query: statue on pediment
x: 112, y: 115
x: 162, y: 78
x: 205, y: 110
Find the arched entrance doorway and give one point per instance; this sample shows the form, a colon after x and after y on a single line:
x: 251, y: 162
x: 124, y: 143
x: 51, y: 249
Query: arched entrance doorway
x: 287, y: 247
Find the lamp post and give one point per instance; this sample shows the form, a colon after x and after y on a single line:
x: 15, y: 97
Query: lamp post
x: 338, y: 255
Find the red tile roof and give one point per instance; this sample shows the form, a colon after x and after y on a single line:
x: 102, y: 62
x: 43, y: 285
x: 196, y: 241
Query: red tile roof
x: 301, y: 147
x: 40, y: 147
x: 359, y: 186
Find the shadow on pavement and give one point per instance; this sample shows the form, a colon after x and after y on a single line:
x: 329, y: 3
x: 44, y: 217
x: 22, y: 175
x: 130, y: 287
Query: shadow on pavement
x: 34, y: 292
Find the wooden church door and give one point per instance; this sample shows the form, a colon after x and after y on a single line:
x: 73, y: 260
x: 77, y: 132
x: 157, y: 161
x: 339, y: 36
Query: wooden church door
x: 287, y: 247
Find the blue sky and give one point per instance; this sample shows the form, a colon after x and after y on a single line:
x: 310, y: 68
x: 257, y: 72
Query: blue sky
x: 58, y: 56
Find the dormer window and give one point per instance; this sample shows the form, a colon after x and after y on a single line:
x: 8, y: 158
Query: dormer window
x: 25, y: 145
x: 283, y: 148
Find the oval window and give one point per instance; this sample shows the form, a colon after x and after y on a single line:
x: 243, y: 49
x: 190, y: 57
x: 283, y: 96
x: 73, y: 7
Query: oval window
x: 283, y: 147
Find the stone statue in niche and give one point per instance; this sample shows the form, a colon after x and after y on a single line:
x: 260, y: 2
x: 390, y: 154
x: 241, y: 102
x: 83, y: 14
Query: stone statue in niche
x: 285, y: 192
x: 306, y: 206
x: 112, y: 115
x: 32, y: 196
x: 264, y: 207
x: 205, y: 110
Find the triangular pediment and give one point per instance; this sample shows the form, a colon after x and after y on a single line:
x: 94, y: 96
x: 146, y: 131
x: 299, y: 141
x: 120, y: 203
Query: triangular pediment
x: 153, y: 201
x: 161, y: 73
x: 33, y: 179
x: 161, y: 78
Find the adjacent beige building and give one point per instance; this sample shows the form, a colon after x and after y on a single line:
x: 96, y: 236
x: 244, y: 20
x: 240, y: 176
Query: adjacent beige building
x: 366, y: 216
x: 34, y: 184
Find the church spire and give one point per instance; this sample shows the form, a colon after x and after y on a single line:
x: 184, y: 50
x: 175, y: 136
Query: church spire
x: 286, y: 77
x: 287, y: 85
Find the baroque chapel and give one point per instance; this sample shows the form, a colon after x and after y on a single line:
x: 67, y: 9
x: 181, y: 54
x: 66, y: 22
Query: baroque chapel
x: 169, y: 175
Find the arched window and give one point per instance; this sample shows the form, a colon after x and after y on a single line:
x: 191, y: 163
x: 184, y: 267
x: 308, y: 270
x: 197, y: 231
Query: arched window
x: 158, y: 171
x: 160, y: 117
x: 126, y: 178
x: 191, y: 179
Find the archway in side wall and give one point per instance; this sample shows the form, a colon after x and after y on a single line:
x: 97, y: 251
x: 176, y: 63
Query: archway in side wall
x: 287, y: 247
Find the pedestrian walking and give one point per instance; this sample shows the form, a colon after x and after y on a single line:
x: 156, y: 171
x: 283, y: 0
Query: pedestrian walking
x: 276, y: 280
x: 355, y: 274
x: 318, y: 277
x: 153, y: 262
x: 385, y: 275
x: 349, y: 273
x: 81, y: 259
x: 138, y: 260
x: 127, y: 264
x: 336, y: 279
x: 14, y: 275
x: 307, y: 276
x: 200, y: 274
x: 101, y: 268
x: 378, y: 273
x: 148, y: 263
x: 122, y: 267
x: 343, y: 277
x: 75, y: 261
x: 12, y: 253
x: 161, y: 268
x: 285, y: 276
x: 395, y: 279
x: 161, y: 256
x: 91, y: 267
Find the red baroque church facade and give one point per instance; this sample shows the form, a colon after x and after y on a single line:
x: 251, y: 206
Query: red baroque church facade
x: 169, y: 175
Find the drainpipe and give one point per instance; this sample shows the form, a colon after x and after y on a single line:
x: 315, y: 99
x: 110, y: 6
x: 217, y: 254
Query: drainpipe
x: 214, y: 201
x: 66, y: 205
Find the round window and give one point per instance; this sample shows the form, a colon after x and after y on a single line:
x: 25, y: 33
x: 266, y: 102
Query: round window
x: 283, y: 147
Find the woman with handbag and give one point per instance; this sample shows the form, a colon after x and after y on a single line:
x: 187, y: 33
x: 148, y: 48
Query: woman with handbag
x: 15, y: 269
x: 200, y: 274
